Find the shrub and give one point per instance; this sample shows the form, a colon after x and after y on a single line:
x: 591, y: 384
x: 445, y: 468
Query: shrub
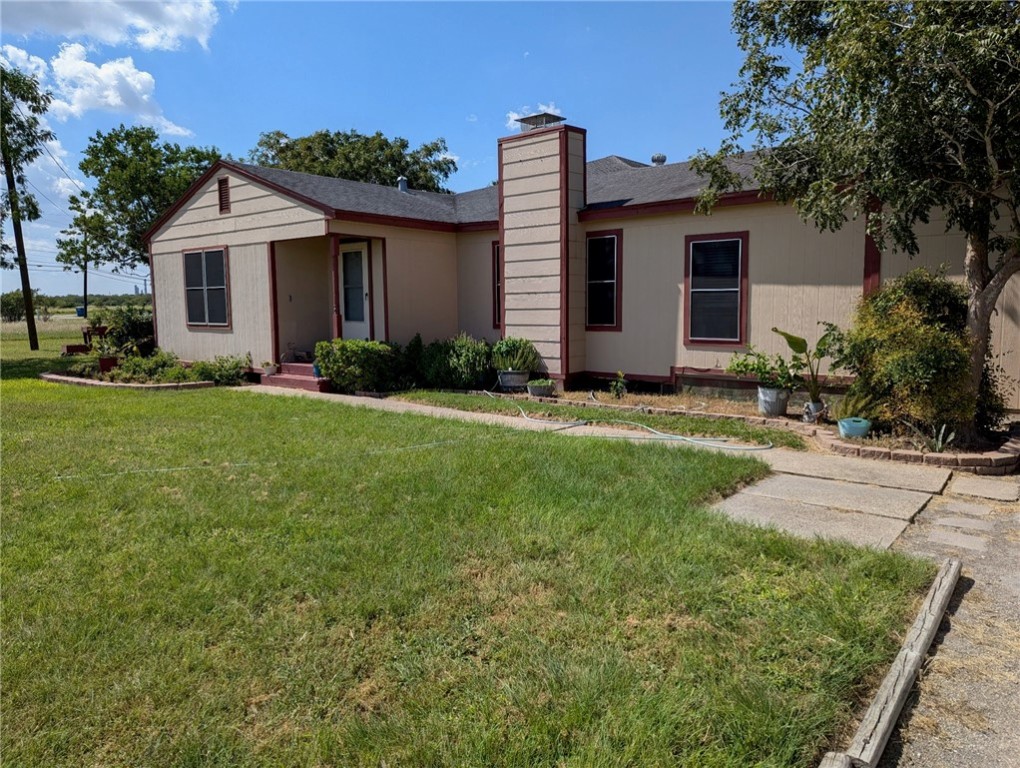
x: 469, y: 362
x: 131, y: 329
x: 223, y: 371
x: 773, y: 372
x: 161, y: 367
x: 515, y: 354
x: 12, y: 306
x: 434, y: 370
x: 909, y: 350
x: 353, y: 365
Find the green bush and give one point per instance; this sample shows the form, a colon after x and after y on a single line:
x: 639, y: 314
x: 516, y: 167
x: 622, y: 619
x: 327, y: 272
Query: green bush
x: 12, y: 306
x: 435, y: 371
x: 223, y: 371
x: 469, y: 362
x: 909, y: 349
x: 131, y: 329
x: 515, y: 354
x: 161, y: 367
x: 353, y: 365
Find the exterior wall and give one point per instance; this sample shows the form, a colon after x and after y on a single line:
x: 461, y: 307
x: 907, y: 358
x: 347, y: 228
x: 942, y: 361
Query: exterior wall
x: 541, y: 177
x: 421, y: 279
x: 939, y: 248
x: 474, y: 284
x: 256, y: 216
x: 303, y: 295
x: 248, y: 295
x: 797, y: 277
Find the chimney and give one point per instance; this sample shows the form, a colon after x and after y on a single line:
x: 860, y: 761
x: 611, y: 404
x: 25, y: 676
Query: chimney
x: 658, y: 159
x: 402, y: 183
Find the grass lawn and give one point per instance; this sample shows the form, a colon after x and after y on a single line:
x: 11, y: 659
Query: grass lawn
x: 693, y: 426
x: 217, y: 578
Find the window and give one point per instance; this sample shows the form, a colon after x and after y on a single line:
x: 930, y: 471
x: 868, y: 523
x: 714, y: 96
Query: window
x: 205, y: 286
x: 603, y: 280
x: 715, y: 283
x: 497, y: 286
x: 223, y: 190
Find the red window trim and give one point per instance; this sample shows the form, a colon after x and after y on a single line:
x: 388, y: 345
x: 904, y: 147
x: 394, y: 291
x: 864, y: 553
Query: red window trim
x: 743, y: 291
x: 226, y: 279
x: 497, y: 286
x: 618, y: 325
x: 223, y: 193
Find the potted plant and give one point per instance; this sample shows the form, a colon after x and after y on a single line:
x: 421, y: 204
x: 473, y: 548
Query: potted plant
x: 542, y: 388
x: 107, y: 352
x: 853, y: 414
x: 269, y: 368
x: 514, y: 359
x: 776, y: 379
x: 811, y: 359
x: 95, y: 328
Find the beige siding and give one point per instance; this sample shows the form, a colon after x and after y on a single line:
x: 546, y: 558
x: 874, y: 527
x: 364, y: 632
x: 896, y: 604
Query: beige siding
x: 475, y: 284
x: 421, y: 268
x: 939, y: 248
x: 576, y: 254
x: 531, y: 242
x: 797, y: 277
x: 250, y: 314
x: 257, y: 215
x: 303, y: 294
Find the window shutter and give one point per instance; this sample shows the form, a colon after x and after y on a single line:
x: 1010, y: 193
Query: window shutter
x: 223, y: 188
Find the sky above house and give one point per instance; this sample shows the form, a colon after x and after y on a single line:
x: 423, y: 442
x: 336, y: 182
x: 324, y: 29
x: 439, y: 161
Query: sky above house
x: 641, y: 78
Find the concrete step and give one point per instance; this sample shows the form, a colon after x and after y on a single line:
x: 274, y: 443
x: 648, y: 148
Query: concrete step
x: 986, y: 488
x: 884, y: 473
x: 839, y: 494
x: 809, y: 521
x: 294, y: 381
x: 298, y: 369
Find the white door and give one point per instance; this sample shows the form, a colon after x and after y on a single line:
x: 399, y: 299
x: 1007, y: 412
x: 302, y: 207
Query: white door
x: 354, y: 293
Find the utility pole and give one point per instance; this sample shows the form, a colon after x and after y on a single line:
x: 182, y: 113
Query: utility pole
x: 85, y: 274
x: 19, y: 242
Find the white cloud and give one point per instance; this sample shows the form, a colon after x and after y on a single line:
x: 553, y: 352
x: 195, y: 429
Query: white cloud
x: 513, y: 116
x: 450, y: 156
x: 149, y: 25
x: 472, y: 118
x: 23, y: 60
x: 113, y: 86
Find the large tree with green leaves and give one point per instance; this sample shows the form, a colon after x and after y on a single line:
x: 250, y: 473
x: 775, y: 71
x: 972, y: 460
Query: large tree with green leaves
x: 22, y: 136
x: 352, y: 155
x: 892, y: 108
x: 137, y: 178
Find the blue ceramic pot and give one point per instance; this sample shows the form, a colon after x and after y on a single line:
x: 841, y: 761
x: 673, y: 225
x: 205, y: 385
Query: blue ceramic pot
x: 854, y: 426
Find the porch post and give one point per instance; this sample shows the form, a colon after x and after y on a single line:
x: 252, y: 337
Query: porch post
x: 334, y: 263
x: 274, y: 309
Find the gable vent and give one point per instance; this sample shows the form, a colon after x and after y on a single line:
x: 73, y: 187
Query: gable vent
x: 223, y: 188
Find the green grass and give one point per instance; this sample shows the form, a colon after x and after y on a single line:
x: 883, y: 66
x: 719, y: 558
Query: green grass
x: 219, y: 578
x: 698, y: 426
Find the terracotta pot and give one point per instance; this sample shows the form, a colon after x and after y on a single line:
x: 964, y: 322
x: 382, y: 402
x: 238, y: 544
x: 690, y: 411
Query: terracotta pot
x: 107, y: 364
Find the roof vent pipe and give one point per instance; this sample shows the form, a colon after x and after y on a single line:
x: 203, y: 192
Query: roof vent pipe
x: 402, y: 183
x: 658, y: 159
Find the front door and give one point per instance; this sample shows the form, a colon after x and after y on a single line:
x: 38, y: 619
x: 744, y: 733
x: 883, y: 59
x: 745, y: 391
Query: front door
x: 354, y: 290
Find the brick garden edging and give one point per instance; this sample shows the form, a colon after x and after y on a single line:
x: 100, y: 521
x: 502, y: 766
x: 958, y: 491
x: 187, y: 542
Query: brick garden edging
x: 77, y: 381
x: 1003, y: 461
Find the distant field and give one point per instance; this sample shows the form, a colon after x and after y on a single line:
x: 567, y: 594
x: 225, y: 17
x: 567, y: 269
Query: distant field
x: 218, y: 578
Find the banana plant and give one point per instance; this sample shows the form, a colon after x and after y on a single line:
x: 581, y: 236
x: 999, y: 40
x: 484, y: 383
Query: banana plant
x: 811, y: 359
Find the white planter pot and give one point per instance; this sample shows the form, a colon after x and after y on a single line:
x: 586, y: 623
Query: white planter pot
x: 773, y: 402
x: 813, y: 411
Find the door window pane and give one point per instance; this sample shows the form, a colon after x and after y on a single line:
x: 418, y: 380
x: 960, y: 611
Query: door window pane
x: 354, y: 287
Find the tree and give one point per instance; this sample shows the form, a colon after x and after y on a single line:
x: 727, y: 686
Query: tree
x: 894, y: 110
x: 355, y: 156
x: 21, y: 141
x: 87, y: 228
x: 137, y: 179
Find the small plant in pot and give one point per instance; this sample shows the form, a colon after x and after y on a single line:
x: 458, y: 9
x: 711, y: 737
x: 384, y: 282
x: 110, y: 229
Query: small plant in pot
x: 811, y: 359
x: 776, y: 377
x: 542, y: 388
x: 514, y: 359
x: 269, y: 368
x: 853, y: 414
x: 108, y: 354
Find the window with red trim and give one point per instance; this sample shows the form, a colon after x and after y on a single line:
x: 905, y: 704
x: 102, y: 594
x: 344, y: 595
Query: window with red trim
x: 603, y: 278
x: 715, y: 289
x: 205, y: 288
x: 497, y: 286
x: 223, y: 190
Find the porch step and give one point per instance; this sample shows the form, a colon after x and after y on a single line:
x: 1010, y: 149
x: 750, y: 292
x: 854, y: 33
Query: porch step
x: 297, y: 369
x: 296, y: 381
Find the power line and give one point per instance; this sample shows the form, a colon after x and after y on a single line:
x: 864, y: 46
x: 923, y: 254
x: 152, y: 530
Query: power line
x: 60, y: 208
x: 53, y: 157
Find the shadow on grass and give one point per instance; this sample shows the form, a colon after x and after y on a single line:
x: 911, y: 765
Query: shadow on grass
x: 17, y: 361
x: 31, y: 367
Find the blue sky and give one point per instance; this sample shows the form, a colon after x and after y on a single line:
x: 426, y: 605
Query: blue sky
x: 640, y: 77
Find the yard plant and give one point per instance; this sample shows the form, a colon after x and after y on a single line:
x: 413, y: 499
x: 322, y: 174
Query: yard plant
x: 367, y: 588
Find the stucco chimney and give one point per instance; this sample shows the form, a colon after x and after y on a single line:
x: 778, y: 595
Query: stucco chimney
x: 658, y: 159
x: 402, y: 183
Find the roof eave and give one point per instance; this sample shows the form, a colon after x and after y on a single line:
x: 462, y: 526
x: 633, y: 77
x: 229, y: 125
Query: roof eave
x: 679, y: 205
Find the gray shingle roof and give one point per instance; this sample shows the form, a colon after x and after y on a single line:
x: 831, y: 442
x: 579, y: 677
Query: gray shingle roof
x: 613, y: 181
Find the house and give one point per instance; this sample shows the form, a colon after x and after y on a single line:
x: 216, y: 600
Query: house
x: 603, y: 264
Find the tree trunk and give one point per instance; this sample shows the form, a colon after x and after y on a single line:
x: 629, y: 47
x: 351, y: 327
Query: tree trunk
x: 19, y: 243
